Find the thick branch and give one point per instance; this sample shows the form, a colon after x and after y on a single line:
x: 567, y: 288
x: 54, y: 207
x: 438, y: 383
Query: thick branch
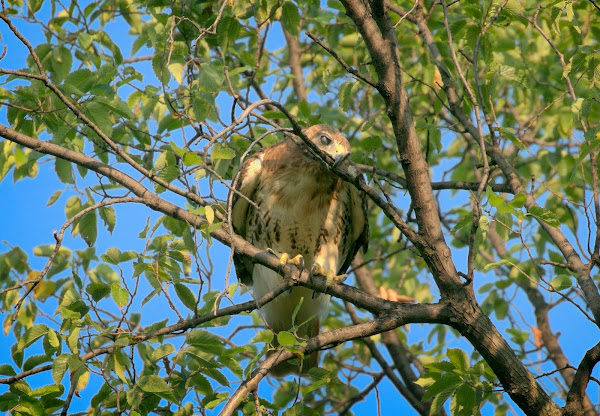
x: 379, y: 35
x: 576, y: 396
x: 390, y: 320
x: 377, y: 31
x: 295, y: 63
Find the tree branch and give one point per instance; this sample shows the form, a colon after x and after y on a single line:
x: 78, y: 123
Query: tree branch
x: 295, y: 63
x: 401, y: 315
x: 576, y: 396
x: 468, y: 318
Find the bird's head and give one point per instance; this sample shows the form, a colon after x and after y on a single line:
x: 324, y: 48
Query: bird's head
x: 329, y: 140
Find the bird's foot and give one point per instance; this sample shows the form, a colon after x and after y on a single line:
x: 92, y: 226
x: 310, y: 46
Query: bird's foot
x: 329, y: 274
x: 284, y: 259
x: 297, y: 261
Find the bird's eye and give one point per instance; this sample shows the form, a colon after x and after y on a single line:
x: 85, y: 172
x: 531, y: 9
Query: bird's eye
x: 325, y: 140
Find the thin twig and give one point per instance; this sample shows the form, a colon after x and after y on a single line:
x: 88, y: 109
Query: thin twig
x: 338, y: 58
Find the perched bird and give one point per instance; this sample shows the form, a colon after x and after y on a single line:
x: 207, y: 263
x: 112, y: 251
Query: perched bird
x: 286, y: 200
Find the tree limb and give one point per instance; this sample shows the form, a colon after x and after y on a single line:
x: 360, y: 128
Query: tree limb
x: 386, y: 321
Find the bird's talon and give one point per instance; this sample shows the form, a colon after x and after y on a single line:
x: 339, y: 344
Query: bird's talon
x: 284, y: 259
x: 318, y: 269
x: 329, y: 274
x: 297, y: 261
x: 340, y: 278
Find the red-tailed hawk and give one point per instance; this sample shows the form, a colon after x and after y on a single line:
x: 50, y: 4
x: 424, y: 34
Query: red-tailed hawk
x: 294, y: 205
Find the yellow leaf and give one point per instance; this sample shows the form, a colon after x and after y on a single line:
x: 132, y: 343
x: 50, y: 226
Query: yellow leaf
x: 209, y: 213
x: 176, y: 68
x: 82, y: 381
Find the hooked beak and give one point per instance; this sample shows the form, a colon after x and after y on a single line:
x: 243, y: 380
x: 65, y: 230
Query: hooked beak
x: 339, y: 158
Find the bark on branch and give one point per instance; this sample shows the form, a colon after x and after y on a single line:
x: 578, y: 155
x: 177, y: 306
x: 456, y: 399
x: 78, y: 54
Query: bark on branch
x: 378, y: 33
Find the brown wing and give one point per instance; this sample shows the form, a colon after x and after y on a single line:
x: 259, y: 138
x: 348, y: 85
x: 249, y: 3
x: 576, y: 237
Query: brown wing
x: 244, y: 187
x: 243, y: 196
x: 359, y: 235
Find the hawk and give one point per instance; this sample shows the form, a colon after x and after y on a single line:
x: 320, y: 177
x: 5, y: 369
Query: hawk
x: 284, y: 199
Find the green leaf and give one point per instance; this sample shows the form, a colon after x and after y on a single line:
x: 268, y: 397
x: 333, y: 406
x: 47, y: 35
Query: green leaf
x: 80, y: 81
x: 50, y: 390
x: 59, y: 367
x: 192, y: 159
x: 465, y: 220
x: 290, y: 18
x: 286, y: 338
x: 7, y: 370
x: 345, y: 95
x: 88, y: 227
x: 217, y: 400
x: 448, y: 381
x: 54, y: 198
x: 300, y: 409
x: 34, y: 361
x: 31, y: 406
x: 31, y: 335
x: 205, y: 341
x: 53, y: 339
x: 438, y: 401
x: 99, y: 116
x: 502, y: 262
x: 544, y: 215
x: 120, y: 363
x: 500, y: 308
x: 176, y: 68
x: 518, y: 201
x: 186, y: 296
x: 119, y: 294
x: 122, y: 341
x: 562, y: 282
x: 459, y: 358
x: 112, y: 255
x: 108, y: 215
x: 64, y: 171
x: 85, y: 40
x: 495, y: 200
x: 514, y: 139
x: 221, y: 151
x: 144, y: 232
x: 61, y: 62
x: 98, y: 290
x: 264, y: 336
x: 73, y: 340
x: 210, y: 77
x: 518, y: 337
x: 162, y: 351
x: 153, y: 384
x: 159, y: 65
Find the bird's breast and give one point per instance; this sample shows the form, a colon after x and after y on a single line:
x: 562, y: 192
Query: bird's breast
x: 297, y: 213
